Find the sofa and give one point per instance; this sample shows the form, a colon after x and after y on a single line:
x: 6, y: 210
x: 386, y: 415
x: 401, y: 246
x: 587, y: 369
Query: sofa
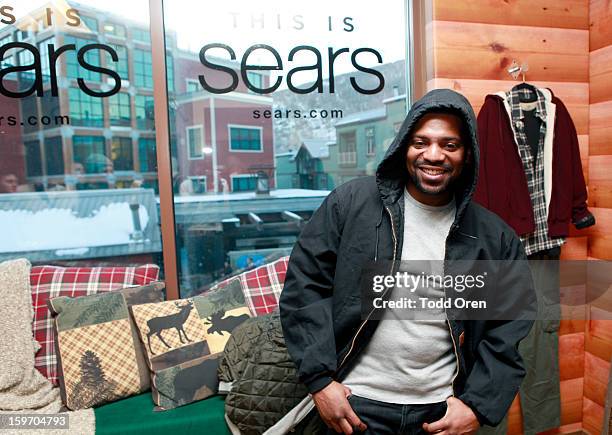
x: 135, y: 415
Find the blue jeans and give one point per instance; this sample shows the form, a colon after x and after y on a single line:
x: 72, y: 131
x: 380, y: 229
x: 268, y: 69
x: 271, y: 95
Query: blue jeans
x: 390, y: 418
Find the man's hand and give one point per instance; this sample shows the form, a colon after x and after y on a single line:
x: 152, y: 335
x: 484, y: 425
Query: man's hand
x: 458, y: 420
x: 335, y: 410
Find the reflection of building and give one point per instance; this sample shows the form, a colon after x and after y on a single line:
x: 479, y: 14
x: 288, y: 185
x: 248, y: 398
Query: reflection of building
x: 305, y: 167
x: 119, y: 127
x: 218, y: 143
x: 221, y: 146
x: 362, y: 139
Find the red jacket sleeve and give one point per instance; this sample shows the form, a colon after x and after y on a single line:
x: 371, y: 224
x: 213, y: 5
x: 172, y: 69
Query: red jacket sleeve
x: 581, y: 216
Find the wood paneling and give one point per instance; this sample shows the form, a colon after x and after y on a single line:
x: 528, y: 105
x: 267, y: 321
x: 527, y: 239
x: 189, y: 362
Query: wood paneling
x: 596, y: 372
x: 602, y: 327
x: 572, y: 14
x: 592, y: 416
x: 575, y: 248
x: 571, y: 356
x: 599, y: 347
x: 571, y: 401
x: 600, y: 72
x: 503, y: 38
x: 485, y: 51
x: 600, y: 176
x: 600, y: 23
x: 600, y: 235
x: 572, y: 326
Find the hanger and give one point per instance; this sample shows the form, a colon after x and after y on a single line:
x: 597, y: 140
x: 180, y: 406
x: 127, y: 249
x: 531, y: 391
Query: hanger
x: 514, y: 71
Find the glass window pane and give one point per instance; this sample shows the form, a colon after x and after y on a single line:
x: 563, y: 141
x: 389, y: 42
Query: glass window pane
x: 95, y: 153
x: 318, y: 122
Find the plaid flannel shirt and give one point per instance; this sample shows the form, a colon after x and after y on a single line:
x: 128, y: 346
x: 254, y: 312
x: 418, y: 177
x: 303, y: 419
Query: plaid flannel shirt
x: 539, y: 240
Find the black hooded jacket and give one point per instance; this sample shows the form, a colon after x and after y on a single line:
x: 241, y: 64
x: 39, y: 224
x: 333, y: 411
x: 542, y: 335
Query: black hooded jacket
x: 362, y: 221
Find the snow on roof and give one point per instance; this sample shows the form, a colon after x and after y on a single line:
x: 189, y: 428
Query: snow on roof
x: 318, y: 148
x: 47, y: 226
x: 367, y: 115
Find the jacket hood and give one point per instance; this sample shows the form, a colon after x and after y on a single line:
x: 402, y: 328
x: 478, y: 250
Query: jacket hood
x: 391, y: 174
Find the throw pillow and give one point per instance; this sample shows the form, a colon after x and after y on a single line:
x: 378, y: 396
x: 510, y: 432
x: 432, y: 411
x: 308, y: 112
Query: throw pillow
x: 100, y: 355
x: 48, y: 282
x: 262, y: 286
x: 184, y: 341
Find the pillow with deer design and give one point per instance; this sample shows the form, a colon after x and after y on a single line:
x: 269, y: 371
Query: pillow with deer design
x: 99, y: 353
x: 184, y: 340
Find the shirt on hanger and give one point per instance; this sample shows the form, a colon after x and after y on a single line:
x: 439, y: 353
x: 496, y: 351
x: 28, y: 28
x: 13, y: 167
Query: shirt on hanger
x: 533, y: 164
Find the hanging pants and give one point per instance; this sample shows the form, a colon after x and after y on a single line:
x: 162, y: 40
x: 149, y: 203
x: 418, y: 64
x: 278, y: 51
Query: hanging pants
x: 540, y: 391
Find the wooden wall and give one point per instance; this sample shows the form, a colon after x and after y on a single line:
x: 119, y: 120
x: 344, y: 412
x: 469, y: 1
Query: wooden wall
x: 469, y: 44
x: 598, y: 333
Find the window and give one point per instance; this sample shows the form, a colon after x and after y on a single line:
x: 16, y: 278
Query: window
x: 114, y: 29
x: 72, y: 144
x: 147, y: 154
x: 245, y: 138
x: 143, y: 105
x: 29, y: 107
x: 347, y: 149
x: 170, y: 72
x: 73, y: 69
x: 121, y: 66
x: 84, y: 109
x: 90, y: 151
x: 195, y: 142
x: 54, y: 155
x: 43, y: 49
x: 198, y: 184
x: 244, y: 183
x: 50, y: 106
x: 6, y: 39
x: 141, y: 35
x: 192, y: 86
x: 119, y: 109
x: 89, y: 24
x: 143, y: 70
x: 371, y: 147
x: 121, y: 154
x: 255, y: 79
x: 33, y: 159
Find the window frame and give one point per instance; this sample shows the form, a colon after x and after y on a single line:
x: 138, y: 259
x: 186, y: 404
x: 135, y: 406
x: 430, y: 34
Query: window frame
x: 243, y: 126
x: 242, y: 176
x: 202, y: 140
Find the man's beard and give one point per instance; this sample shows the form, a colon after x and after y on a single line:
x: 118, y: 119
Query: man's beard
x: 435, y: 190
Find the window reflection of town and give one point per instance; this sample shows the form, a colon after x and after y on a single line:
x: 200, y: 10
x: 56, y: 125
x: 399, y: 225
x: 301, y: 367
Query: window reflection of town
x: 243, y: 186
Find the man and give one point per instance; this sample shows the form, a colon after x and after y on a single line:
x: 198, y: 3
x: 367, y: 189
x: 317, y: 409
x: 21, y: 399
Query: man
x: 381, y: 377
x: 8, y: 183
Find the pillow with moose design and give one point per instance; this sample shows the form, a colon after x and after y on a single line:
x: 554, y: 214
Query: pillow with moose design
x: 184, y: 341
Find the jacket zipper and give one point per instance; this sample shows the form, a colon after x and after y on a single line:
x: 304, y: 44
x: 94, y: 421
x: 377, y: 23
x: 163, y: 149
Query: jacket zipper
x: 448, y: 322
x: 391, y: 272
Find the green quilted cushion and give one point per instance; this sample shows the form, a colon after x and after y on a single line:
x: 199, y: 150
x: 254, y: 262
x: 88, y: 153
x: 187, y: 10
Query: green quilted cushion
x: 136, y: 416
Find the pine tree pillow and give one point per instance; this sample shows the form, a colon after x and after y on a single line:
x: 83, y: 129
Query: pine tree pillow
x: 100, y: 356
x: 184, y: 341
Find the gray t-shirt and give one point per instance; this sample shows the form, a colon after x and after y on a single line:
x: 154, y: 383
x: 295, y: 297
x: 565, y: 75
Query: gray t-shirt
x: 411, y: 361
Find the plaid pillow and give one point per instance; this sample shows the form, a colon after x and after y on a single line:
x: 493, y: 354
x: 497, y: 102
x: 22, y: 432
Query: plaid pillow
x: 262, y: 286
x: 48, y: 282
